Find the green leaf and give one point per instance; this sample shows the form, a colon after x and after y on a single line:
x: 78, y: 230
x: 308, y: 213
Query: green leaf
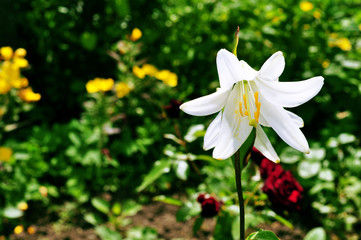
x: 316, y: 234
x: 197, y: 225
x: 326, y: 175
x: 262, y: 235
x: 160, y: 167
x: 194, y: 132
x: 130, y: 208
x: 106, y: 233
x: 89, y: 40
x: 168, y: 200
x: 279, y: 218
x: 316, y: 154
x: 92, y: 219
x: 75, y: 139
x: 140, y: 233
x: 320, y: 186
x: 101, y: 205
x: 345, y: 138
x: 223, y: 227
x: 308, y: 169
x: 235, y: 228
x: 190, y: 209
x: 13, y: 212
x: 290, y: 155
x: 181, y: 170
x: 117, y: 208
x: 122, y: 7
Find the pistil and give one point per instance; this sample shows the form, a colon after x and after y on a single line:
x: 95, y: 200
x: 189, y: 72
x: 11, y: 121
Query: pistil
x: 248, y: 106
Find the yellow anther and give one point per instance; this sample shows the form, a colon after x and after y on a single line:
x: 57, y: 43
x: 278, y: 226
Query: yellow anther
x: 256, y: 97
x: 246, y: 113
x: 245, y: 101
x: 256, y: 116
x: 257, y: 113
x: 240, y: 108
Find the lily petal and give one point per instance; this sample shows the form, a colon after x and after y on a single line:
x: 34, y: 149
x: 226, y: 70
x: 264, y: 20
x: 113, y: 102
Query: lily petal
x: 298, y: 120
x: 248, y: 72
x: 273, y: 67
x: 290, y: 94
x: 234, y: 129
x: 229, y: 69
x: 284, y: 125
x: 263, y: 144
x: 206, y: 105
x: 212, y: 133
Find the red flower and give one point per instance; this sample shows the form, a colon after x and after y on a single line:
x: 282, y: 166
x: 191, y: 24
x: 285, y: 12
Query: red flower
x: 210, y: 205
x: 172, y: 109
x: 282, y: 188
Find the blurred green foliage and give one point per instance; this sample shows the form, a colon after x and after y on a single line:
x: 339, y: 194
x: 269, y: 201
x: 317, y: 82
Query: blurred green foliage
x: 98, y: 150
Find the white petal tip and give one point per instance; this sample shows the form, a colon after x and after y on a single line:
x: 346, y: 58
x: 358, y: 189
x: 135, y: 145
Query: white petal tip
x: 277, y: 161
x: 307, y: 152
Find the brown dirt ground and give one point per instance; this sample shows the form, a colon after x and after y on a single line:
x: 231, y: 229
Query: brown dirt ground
x: 156, y: 215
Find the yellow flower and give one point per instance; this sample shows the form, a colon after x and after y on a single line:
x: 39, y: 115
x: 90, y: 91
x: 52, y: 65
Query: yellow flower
x: 5, y: 153
x: 43, y: 191
x: 20, y: 82
x: 276, y: 19
x: 20, y: 52
x: 106, y: 84
x: 317, y: 14
x: 172, y: 80
x: 20, y: 62
x: 6, y: 53
x: 169, y: 78
x: 91, y: 86
x: 18, y: 229
x: 2, y: 237
x: 5, y: 87
x: 99, y: 85
x: 306, y: 6
x: 344, y: 44
x: 122, y: 89
x: 325, y: 63
x: 23, y: 206
x: 162, y: 75
x: 28, y: 95
x: 149, y: 70
x: 136, y: 34
x: 31, y: 230
x: 138, y: 72
x: 9, y: 71
x: 2, y: 111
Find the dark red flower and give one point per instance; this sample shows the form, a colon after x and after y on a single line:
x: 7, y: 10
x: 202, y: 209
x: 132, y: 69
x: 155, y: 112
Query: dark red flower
x: 282, y: 188
x: 210, y: 205
x: 172, y: 109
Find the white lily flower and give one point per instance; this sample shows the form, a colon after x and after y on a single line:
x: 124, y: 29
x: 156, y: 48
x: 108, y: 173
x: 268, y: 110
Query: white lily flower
x: 248, y: 98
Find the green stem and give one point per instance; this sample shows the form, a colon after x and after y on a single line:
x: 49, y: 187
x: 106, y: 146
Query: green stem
x: 238, y: 165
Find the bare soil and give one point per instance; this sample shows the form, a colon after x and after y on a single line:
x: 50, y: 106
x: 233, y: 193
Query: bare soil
x: 156, y: 215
